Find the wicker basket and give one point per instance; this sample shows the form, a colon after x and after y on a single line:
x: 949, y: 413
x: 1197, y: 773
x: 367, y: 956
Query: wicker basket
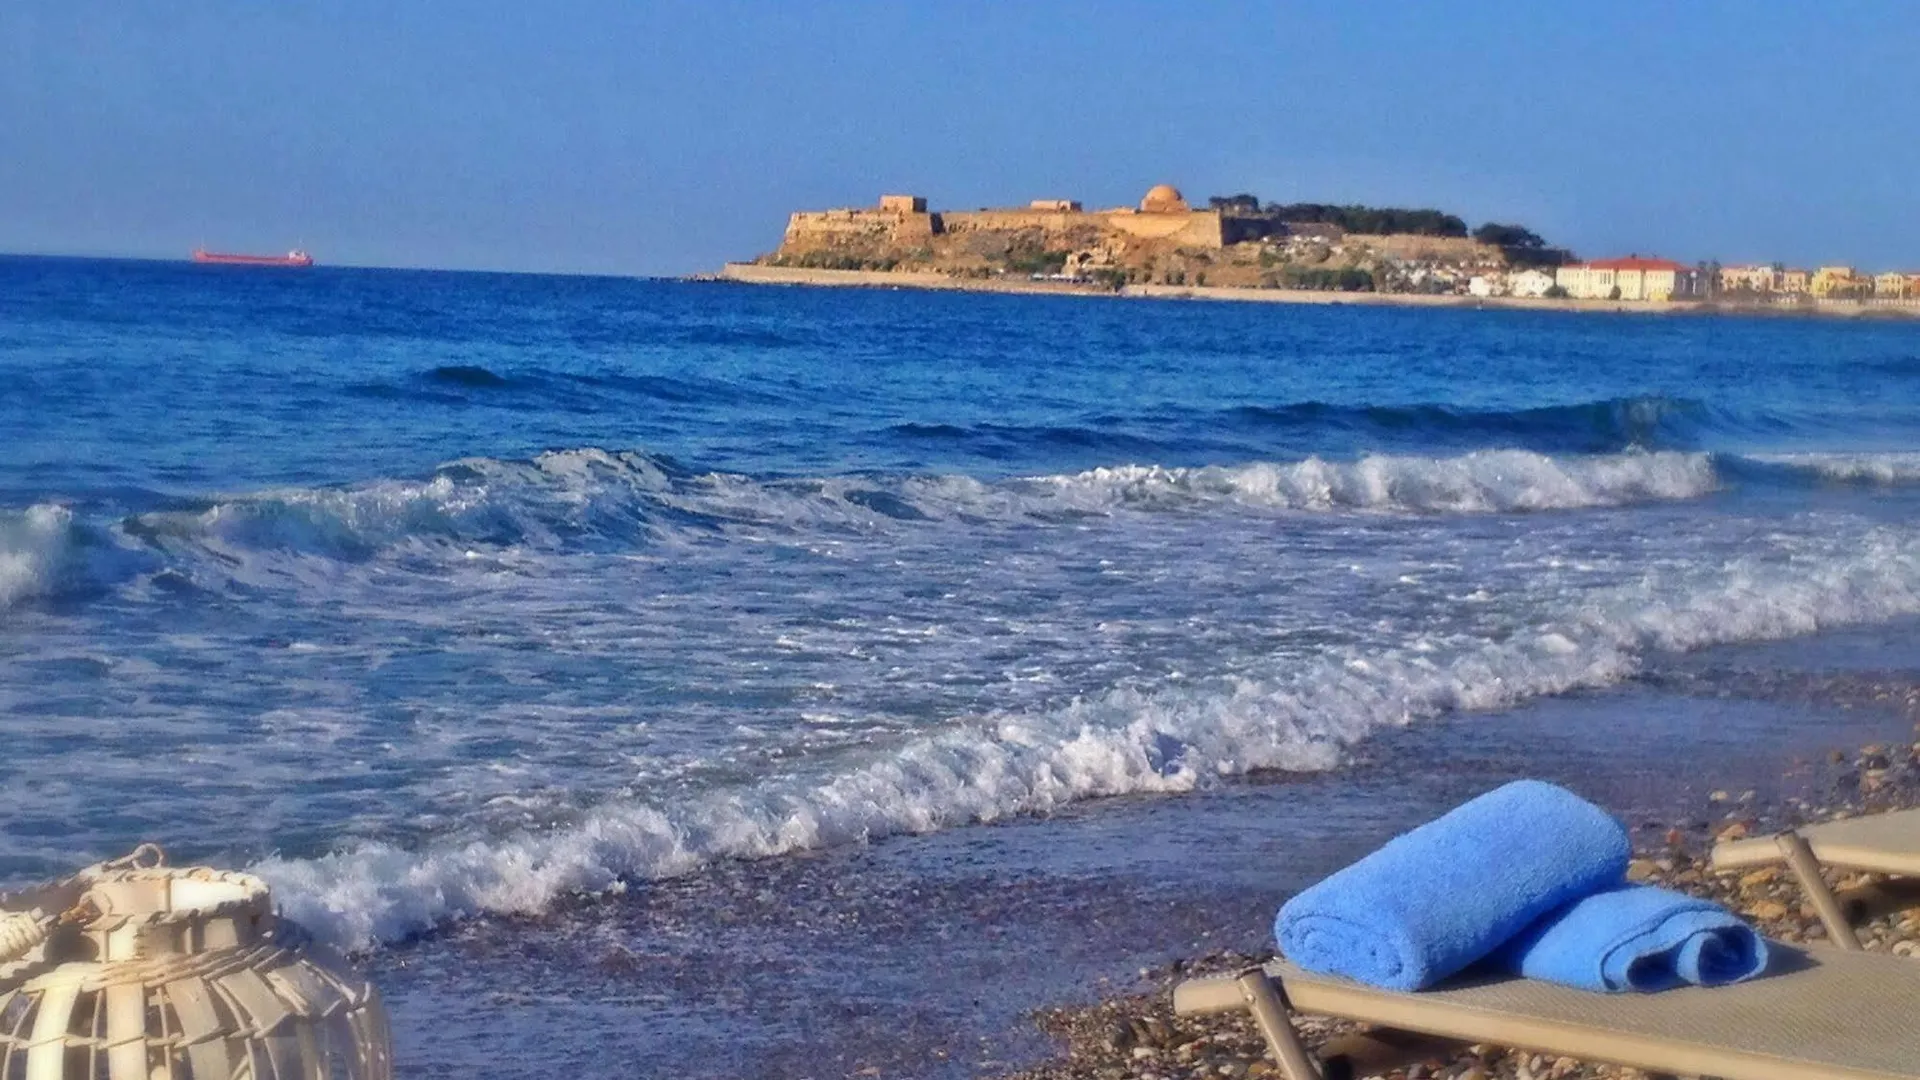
x: 159, y: 973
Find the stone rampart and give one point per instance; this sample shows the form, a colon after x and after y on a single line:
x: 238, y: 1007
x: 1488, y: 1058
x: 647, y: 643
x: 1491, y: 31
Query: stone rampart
x: 1192, y: 228
x: 821, y: 228
x: 901, y: 230
x: 1050, y: 221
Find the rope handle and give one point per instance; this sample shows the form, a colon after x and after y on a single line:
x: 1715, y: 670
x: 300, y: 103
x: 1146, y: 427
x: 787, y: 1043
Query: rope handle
x: 144, y: 857
x: 20, y: 932
x: 66, y: 902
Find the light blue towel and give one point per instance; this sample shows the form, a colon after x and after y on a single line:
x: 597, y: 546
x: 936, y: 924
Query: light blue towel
x: 1448, y: 893
x: 1637, y: 937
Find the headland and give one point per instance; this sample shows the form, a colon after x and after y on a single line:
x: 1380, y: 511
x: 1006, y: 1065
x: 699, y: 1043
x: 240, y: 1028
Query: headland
x: 1238, y: 248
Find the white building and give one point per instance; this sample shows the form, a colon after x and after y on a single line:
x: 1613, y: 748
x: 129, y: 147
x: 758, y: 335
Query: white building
x: 1529, y: 283
x: 1632, y: 278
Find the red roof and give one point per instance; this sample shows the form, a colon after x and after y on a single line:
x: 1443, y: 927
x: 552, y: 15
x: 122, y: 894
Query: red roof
x: 1635, y: 262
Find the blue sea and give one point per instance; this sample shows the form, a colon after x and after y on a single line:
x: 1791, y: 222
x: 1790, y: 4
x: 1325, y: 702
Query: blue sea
x: 686, y: 678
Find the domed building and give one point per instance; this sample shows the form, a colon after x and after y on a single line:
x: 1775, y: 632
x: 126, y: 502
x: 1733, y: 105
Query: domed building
x: 1164, y: 199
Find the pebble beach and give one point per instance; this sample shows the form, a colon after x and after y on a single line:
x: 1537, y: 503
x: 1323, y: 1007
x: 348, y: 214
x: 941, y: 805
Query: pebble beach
x: 1136, y: 1036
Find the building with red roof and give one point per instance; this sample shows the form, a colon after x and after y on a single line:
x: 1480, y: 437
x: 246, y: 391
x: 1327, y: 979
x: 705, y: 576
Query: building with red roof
x: 1632, y: 278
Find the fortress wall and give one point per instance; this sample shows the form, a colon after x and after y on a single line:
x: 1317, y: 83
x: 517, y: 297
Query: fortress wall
x: 867, y: 228
x: 1052, y: 221
x: 1444, y: 248
x: 814, y: 228
x: 916, y: 228
x: 1198, y: 228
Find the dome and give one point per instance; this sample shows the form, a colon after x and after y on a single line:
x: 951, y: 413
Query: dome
x: 1163, y: 199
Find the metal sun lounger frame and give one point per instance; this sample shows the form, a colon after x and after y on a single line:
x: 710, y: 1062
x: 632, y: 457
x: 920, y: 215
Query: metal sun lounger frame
x: 1876, y: 843
x: 1820, y: 1014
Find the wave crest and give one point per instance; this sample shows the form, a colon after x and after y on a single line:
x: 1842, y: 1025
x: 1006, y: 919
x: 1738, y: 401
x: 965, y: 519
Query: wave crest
x: 45, y: 553
x: 1490, y: 481
x: 597, y: 500
x: 1123, y: 741
x: 1890, y: 469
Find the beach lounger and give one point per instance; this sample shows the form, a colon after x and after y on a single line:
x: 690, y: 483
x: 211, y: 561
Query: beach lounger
x: 1822, y: 1014
x: 1876, y: 843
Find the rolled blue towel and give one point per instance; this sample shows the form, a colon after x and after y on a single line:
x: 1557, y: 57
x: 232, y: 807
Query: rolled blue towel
x: 1446, y: 894
x: 1636, y: 937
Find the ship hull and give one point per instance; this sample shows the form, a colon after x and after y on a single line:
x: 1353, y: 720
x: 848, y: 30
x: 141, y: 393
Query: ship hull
x: 297, y: 258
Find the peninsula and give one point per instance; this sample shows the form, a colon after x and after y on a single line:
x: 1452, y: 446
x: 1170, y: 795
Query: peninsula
x: 1237, y: 248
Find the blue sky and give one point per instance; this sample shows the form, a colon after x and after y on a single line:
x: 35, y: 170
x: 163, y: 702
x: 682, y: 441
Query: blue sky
x: 660, y: 138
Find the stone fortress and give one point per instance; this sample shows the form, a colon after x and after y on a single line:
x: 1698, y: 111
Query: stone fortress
x: 1164, y: 246
x: 1162, y: 240
x: 1163, y: 215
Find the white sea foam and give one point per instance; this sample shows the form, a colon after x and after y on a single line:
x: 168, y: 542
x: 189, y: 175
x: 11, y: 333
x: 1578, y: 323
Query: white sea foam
x: 1125, y: 740
x: 597, y: 498
x: 39, y: 549
x: 1884, y: 468
x: 1488, y: 481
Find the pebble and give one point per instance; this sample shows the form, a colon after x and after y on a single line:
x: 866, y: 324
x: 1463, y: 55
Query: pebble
x: 1137, y: 1038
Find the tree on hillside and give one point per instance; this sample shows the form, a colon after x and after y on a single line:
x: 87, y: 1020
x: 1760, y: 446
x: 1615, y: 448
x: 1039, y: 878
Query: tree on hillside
x: 1497, y: 235
x: 1522, y: 246
x: 1378, y: 220
x: 1242, y: 203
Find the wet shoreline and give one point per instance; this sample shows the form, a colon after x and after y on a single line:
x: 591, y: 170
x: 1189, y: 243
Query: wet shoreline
x: 1134, y: 1034
x: 932, y: 956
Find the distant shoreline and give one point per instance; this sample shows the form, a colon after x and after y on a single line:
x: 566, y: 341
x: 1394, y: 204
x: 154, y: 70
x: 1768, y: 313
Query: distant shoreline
x: 757, y: 274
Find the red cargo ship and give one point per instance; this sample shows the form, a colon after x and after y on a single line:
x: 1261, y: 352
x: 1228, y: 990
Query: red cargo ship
x: 295, y: 257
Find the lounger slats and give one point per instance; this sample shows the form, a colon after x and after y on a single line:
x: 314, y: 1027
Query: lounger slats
x: 1879, y: 843
x: 1822, y: 1015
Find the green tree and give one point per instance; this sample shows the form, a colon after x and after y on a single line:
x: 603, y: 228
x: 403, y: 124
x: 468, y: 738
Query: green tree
x: 1497, y: 235
x: 1242, y: 203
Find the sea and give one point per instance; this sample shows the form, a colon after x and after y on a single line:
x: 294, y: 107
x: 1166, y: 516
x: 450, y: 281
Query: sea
x: 679, y: 678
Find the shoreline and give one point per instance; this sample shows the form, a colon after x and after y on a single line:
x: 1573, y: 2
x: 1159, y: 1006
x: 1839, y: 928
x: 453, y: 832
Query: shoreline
x: 756, y: 274
x: 1135, y: 1034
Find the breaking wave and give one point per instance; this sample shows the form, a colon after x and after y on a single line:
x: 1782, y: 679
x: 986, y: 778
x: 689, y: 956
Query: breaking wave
x: 1886, y: 468
x: 1124, y: 741
x: 595, y: 498
x: 1489, y: 481
x: 45, y: 552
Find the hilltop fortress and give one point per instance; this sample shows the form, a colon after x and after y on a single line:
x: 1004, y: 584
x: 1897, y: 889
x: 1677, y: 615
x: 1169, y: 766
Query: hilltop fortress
x: 1162, y: 240
x: 1239, y: 248
x: 904, y: 220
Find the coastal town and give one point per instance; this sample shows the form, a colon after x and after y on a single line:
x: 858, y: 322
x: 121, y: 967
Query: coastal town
x: 1239, y: 242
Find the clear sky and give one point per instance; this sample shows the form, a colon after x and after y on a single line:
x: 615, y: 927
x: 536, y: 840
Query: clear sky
x: 658, y: 138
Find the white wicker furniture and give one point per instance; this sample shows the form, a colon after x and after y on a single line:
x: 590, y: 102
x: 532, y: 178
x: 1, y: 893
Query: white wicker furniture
x: 133, y: 970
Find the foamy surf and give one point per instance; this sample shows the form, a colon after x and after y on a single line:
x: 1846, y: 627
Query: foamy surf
x: 596, y: 498
x: 1490, y: 481
x: 1171, y: 739
x: 45, y: 551
x: 1895, y: 468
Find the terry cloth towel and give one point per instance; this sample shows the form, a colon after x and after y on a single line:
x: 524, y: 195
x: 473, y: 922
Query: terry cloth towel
x: 1636, y: 937
x: 1448, y: 893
